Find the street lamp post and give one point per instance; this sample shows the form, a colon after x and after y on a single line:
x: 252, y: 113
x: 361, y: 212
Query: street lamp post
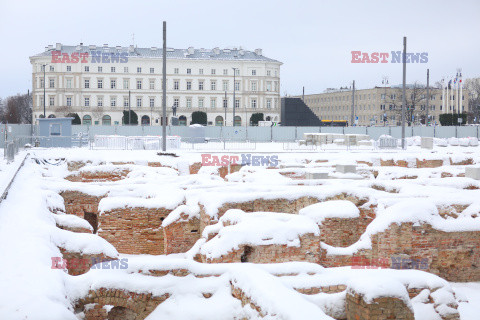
x: 44, y: 86
x: 234, y: 70
x: 225, y: 105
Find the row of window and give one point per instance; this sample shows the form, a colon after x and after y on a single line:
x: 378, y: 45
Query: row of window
x: 422, y: 97
x: 367, y: 107
x: 201, y: 102
x: 253, y: 72
x: 176, y: 84
x: 368, y: 118
x: 394, y: 107
x: 383, y: 96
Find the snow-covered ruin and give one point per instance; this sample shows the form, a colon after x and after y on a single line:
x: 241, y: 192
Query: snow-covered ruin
x: 136, y: 235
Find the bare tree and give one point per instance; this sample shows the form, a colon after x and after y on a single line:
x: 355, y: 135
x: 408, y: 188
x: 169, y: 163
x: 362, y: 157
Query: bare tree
x: 97, y: 113
x: 416, y: 101
x: 63, y: 110
x: 17, y: 109
x: 472, y: 87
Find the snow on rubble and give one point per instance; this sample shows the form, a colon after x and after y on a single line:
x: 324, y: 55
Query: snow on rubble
x: 237, y: 227
x: 389, y: 188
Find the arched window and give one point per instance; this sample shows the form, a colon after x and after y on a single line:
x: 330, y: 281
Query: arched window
x: 106, y: 120
x: 219, y: 121
x: 41, y: 116
x: 182, y: 121
x: 51, y: 116
x: 268, y: 118
x: 87, y: 120
x: 145, y: 121
x: 238, y: 121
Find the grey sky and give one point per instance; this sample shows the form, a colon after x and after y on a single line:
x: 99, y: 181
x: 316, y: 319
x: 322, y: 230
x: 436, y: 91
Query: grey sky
x: 313, y: 39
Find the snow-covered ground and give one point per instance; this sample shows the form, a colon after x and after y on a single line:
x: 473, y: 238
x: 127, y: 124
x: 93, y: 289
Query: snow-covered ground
x: 29, y: 238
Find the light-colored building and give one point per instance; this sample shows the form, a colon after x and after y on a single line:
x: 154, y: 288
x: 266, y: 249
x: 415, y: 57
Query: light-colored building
x: 100, y: 82
x: 373, y: 106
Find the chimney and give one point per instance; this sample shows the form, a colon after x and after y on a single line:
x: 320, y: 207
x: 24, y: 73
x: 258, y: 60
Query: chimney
x: 58, y: 46
x: 191, y: 50
x: 258, y: 52
x: 50, y: 47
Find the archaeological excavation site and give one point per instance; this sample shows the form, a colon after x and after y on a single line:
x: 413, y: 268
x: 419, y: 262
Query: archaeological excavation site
x: 99, y: 235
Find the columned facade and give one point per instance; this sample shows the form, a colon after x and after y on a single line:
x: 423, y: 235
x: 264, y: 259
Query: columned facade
x: 99, y: 83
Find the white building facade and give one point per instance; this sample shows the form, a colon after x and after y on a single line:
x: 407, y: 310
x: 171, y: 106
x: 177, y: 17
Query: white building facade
x: 99, y: 83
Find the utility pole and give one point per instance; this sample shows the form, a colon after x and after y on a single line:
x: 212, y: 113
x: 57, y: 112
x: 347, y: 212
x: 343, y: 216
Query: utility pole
x: 234, y: 69
x: 225, y: 108
x: 44, y: 86
x: 404, y: 96
x: 352, y: 118
x: 303, y: 94
x: 164, y: 88
x: 460, y: 96
x: 384, y: 115
x: 129, y: 112
x: 428, y: 94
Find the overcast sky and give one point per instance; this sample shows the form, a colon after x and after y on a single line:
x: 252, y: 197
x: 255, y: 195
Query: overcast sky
x: 313, y: 39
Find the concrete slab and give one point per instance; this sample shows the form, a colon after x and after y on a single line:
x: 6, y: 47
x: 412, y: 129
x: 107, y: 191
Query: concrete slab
x: 472, y: 172
x: 346, y: 168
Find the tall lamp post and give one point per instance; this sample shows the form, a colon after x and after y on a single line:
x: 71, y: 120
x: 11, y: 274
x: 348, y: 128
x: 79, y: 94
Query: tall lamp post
x: 234, y: 71
x: 44, y: 86
x: 225, y: 105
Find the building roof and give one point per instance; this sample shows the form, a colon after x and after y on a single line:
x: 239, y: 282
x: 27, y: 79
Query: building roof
x: 237, y: 54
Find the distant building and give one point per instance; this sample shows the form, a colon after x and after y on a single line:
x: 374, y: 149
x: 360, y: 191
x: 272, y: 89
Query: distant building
x: 382, y: 105
x: 100, y: 82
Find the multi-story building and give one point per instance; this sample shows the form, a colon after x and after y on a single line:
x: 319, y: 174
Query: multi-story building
x: 382, y: 105
x: 99, y: 83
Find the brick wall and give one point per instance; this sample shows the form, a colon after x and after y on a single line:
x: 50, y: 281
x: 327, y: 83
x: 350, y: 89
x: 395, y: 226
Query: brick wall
x: 181, y: 235
x: 126, y: 304
x: 80, y: 263
x: 454, y: 256
x: 309, y: 250
x: 339, y: 232
x: 134, y: 230
x: 280, y: 205
x: 98, y: 176
x: 380, y: 309
x: 82, y: 205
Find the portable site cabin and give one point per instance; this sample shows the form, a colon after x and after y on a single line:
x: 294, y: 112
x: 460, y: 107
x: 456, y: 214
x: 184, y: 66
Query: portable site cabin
x: 55, y: 132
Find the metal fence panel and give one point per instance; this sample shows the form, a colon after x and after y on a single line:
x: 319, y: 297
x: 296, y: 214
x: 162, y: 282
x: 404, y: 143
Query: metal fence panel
x: 396, y: 132
x: 338, y: 130
x: 376, y: 132
x: 302, y: 130
x: 355, y: 130
x: 283, y: 134
x: 444, y: 132
x: 423, y: 131
x: 469, y: 131
x: 213, y: 132
x: 260, y: 134
x: 234, y: 133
